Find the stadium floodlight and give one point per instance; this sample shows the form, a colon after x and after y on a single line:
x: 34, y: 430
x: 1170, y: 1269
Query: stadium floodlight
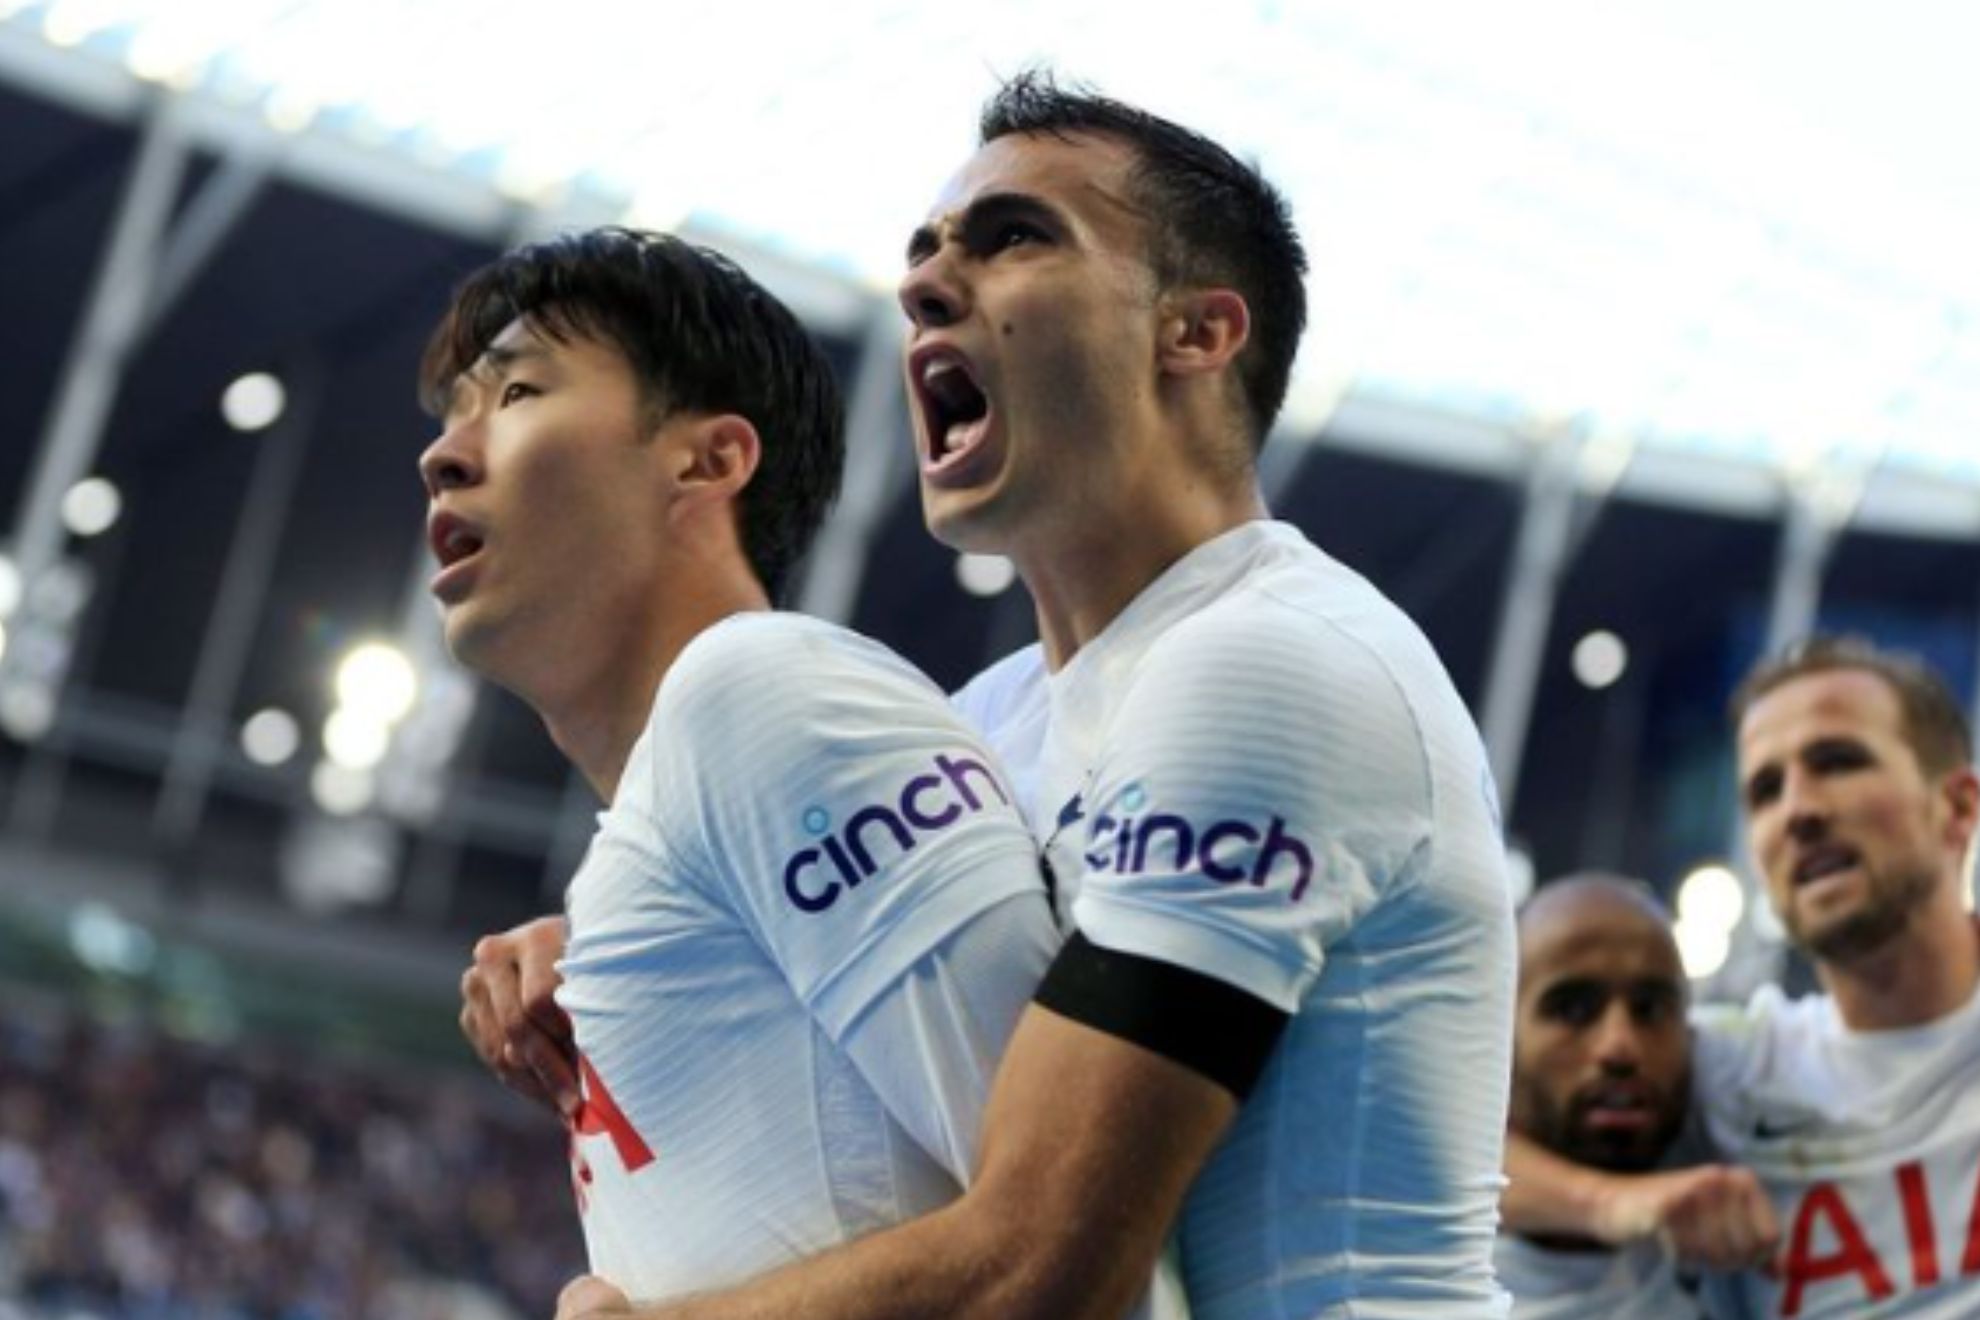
x: 105, y: 941
x: 92, y: 506
x: 1521, y: 874
x: 72, y: 22
x: 1713, y: 896
x: 1600, y: 659
x: 253, y: 402
x: 355, y: 740
x: 27, y: 709
x: 270, y: 737
x: 376, y: 682
x: 1702, y: 949
x: 985, y: 575
x: 1711, y: 901
x: 341, y: 790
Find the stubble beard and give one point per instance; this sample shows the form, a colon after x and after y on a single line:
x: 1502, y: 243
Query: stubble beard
x: 1553, y: 1127
x: 1880, y: 918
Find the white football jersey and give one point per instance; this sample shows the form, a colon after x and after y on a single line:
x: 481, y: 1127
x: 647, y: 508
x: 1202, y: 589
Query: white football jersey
x: 1638, y: 1282
x: 798, y: 944
x: 1261, y: 772
x: 1869, y: 1144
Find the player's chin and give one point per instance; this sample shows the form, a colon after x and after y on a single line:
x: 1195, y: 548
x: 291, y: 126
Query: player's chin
x: 458, y: 629
x: 1633, y: 1148
x: 474, y: 639
x: 967, y: 521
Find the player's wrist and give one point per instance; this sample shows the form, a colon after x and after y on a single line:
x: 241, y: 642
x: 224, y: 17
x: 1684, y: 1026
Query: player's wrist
x: 1614, y: 1208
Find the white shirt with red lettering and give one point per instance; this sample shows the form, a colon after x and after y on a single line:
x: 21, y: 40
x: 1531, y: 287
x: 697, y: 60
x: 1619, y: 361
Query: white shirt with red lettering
x: 1868, y: 1143
x: 798, y: 944
x: 1260, y: 772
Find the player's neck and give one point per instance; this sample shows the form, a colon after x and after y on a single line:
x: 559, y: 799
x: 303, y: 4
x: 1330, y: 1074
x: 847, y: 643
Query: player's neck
x: 1930, y: 969
x: 597, y: 720
x: 1087, y: 570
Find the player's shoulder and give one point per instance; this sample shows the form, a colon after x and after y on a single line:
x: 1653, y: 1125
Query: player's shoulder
x: 1767, y: 1010
x: 779, y: 685
x: 1007, y: 683
x: 1738, y: 1042
x: 1294, y: 601
x: 1302, y: 632
x: 777, y: 657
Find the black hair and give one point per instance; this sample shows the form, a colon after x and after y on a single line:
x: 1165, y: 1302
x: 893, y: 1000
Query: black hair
x: 700, y: 335
x: 1214, y: 221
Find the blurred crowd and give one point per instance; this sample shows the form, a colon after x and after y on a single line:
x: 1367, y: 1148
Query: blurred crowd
x: 146, y: 1177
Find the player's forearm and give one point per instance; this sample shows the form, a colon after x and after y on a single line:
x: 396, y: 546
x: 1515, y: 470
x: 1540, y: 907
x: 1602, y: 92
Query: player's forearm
x: 1546, y: 1195
x: 959, y: 1262
x: 1089, y: 1144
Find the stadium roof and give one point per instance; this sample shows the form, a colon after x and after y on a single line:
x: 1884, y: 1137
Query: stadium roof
x: 1736, y: 229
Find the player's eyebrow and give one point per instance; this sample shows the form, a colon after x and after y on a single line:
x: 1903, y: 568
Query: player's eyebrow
x: 984, y: 210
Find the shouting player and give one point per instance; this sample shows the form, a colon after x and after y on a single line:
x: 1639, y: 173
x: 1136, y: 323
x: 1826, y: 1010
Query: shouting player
x: 1267, y: 813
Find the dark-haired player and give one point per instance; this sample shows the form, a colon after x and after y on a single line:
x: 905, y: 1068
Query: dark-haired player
x: 810, y: 916
x: 1288, y: 990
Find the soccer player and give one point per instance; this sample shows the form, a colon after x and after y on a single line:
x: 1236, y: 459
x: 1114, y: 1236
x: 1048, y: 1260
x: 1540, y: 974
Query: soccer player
x: 810, y: 916
x: 1854, y: 1108
x: 1602, y: 1076
x: 1266, y: 811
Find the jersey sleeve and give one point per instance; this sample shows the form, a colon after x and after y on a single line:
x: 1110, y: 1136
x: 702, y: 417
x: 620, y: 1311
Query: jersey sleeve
x: 1262, y: 787
x: 930, y: 1042
x: 836, y: 805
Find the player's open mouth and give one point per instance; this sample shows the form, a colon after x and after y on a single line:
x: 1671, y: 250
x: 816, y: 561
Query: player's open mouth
x: 1821, y: 862
x: 955, y: 410
x: 454, y: 543
x: 451, y: 539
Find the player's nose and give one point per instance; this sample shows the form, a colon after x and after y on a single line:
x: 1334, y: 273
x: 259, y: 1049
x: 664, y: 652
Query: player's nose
x: 934, y: 292
x: 1618, y: 1040
x: 450, y: 462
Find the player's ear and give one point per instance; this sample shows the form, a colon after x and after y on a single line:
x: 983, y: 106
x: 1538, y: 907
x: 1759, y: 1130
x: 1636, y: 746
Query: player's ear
x: 713, y: 457
x: 1961, y: 790
x: 1202, y: 330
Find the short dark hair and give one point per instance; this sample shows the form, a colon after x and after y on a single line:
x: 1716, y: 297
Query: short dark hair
x: 1213, y: 220
x: 700, y: 335
x: 1934, y: 724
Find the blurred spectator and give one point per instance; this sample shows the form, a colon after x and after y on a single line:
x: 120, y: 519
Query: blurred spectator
x: 148, y: 1178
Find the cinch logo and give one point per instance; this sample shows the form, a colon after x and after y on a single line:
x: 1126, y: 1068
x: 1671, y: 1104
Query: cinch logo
x: 926, y: 803
x: 1228, y: 851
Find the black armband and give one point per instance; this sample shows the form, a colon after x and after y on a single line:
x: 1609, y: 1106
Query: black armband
x: 1208, y: 1026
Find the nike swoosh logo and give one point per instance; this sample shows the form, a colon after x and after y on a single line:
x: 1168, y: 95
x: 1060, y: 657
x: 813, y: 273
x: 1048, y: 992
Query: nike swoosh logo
x: 1071, y: 812
x: 1766, y: 1131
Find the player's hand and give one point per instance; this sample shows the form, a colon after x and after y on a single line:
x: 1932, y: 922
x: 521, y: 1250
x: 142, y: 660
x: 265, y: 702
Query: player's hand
x: 589, y: 1297
x: 510, y: 1017
x: 1716, y: 1216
